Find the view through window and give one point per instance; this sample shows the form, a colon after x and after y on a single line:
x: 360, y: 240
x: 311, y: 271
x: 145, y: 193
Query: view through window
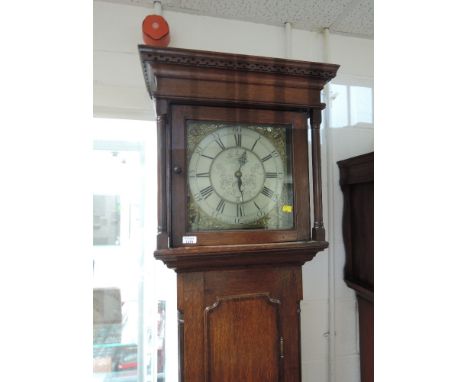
x: 351, y: 105
x: 134, y: 320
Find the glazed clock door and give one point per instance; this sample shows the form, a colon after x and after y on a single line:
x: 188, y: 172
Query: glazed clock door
x: 236, y: 176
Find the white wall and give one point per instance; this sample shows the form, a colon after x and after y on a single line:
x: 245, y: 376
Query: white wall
x: 117, y: 32
x: 119, y: 91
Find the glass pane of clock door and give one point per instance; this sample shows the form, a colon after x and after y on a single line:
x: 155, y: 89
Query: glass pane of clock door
x: 239, y: 176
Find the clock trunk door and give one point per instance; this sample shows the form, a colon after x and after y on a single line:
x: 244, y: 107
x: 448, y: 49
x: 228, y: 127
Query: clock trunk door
x: 239, y: 326
x: 238, y: 176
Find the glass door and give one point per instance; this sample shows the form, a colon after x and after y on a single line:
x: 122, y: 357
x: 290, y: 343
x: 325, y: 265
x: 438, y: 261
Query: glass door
x: 133, y: 295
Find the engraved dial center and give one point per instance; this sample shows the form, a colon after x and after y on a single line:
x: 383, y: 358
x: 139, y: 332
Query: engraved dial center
x: 236, y: 182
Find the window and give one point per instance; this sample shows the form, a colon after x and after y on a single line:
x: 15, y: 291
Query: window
x: 360, y: 104
x: 134, y: 296
x: 351, y: 105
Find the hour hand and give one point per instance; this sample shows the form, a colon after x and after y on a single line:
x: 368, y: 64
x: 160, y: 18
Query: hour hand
x: 243, y: 159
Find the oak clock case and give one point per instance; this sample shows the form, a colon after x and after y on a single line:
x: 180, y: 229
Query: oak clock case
x: 234, y: 205
x: 237, y: 180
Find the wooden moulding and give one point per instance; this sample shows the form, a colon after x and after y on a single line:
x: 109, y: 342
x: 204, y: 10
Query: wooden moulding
x: 180, y: 74
x: 186, y: 259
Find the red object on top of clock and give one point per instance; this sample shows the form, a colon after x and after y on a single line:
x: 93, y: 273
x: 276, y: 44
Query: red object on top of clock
x: 156, y: 31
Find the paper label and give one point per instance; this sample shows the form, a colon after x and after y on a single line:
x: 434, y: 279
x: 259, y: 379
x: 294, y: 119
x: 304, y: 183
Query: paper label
x: 189, y: 240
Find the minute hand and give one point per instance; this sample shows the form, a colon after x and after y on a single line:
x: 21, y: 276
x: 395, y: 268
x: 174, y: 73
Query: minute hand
x: 242, y: 161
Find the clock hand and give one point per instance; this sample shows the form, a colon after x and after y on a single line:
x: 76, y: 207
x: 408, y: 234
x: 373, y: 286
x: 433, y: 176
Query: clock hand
x: 242, y: 159
x: 239, y: 184
x: 238, y: 175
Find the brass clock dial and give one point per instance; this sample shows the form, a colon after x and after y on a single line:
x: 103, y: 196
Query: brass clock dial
x: 236, y: 176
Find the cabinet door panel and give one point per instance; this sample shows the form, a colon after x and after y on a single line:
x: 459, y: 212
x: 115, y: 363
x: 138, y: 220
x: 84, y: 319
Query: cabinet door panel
x: 243, y: 339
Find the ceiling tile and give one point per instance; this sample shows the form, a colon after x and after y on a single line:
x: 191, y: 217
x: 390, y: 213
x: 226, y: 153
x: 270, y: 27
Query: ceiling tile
x: 359, y: 20
x: 304, y: 14
x: 354, y: 17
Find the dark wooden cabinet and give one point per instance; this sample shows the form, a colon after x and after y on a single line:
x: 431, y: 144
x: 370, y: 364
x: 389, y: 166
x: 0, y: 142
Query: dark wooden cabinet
x: 234, y: 205
x: 357, y: 183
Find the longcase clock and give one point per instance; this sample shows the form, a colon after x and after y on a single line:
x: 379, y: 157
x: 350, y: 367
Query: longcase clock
x: 235, y: 204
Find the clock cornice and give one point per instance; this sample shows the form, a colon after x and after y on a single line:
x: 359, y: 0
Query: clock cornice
x: 176, y: 74
x: 238, y: 62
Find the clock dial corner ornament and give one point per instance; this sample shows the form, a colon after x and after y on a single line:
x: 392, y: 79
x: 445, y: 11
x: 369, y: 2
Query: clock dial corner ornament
x: 236, y: 175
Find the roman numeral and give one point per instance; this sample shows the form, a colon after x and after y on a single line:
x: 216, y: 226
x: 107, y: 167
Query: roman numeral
x: 204, y: 175
x: 220, y: 207
x: 219, y: 142
x: 238, y: 139
x: 240, y: 210
x: 206, y: 192
x: 207, y: 156
x: 271, y: 174
x: 260, y: 212
x: 267, y: 192
x: 255, y: 143
x: 264, y: 159
x: 274, y: 153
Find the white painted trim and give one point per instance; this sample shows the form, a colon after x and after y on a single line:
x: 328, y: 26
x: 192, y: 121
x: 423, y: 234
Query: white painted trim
x: 330, y: 214
x: 287, y: 40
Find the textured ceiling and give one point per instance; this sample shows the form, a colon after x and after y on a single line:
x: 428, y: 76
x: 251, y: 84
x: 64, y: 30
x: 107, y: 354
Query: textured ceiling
x: 351, y: 17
